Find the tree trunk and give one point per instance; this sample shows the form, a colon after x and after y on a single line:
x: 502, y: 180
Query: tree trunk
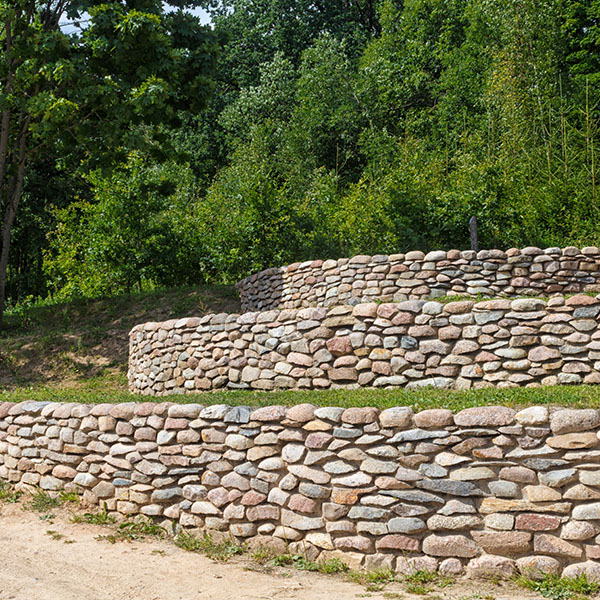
x: 12, y: 190
x: 6, y: 227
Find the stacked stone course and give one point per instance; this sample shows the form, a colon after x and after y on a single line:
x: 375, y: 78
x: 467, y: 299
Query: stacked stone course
x: 484, y: 491
x: 461, y: 345
x: 415, y: 275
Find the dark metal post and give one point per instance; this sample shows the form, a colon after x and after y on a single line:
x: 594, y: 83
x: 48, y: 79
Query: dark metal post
x: 473, y: 228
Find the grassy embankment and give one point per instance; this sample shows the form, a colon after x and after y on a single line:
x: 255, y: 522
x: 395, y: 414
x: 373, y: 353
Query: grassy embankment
x: 77, y: 352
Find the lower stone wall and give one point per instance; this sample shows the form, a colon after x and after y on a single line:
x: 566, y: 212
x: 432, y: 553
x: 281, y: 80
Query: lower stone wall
x: 409, y: 344
x: 486, y: 490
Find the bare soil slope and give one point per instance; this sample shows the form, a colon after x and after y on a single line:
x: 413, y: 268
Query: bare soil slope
x: 74, y: 342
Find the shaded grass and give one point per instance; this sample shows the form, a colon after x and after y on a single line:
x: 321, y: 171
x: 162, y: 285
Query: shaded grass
x: 113, y: 390
x: 74, y: 341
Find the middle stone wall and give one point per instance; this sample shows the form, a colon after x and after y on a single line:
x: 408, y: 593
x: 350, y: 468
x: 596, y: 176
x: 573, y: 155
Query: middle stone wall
x: 409, y: 344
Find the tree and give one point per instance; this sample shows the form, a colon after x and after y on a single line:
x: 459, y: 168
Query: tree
x: 582, y: 32
x: 257, y: 29
x: 94, y: 92
x: 140, y: 228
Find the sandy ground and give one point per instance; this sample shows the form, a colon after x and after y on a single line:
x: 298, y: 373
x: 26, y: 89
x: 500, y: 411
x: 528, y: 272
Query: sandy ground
x: 34, y: 566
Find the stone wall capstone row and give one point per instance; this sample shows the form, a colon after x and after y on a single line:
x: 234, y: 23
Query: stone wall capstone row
x: 485, y: 491
x: 415, y: 343
x: 415, y: 275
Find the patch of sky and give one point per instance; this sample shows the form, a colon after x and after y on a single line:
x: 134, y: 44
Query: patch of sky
x: 71, y: 26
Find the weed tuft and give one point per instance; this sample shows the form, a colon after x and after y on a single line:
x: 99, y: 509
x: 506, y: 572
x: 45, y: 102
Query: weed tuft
x: 8, y: 494
x: 54, y: 534
x: 99, y: 518
x: 331, y: 566
x: 420, y: 582
x: 375, y: 580
x: 43, y: 502
x: 555, y: 587
x: 219, y: 551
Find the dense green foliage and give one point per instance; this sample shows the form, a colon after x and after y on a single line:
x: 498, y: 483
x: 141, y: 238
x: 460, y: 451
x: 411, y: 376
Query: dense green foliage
x: 81, y: 96
x: 335, y: 128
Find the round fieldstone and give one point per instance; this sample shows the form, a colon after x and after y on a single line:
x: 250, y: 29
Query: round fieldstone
x: 359, y: 416
x: 574, y: 420
x: 589, y: 568
x: 488, y: 565
x: 434, y: 418
x: 536, y: 567
x: 301, y: 413
x: 485, y: 416
x: 399, y: 417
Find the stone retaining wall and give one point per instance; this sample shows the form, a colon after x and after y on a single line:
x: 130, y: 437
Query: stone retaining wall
x: 410, y: 344
x: 485, y: 490
x: 531, y: 271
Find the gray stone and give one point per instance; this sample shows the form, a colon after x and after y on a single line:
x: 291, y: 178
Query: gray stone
x: 559, y: 478
x: 413, y: 435
x: 238, y: 414
x: 587, y: 512
x: 367, y: 512
x: 574, y: 420
x: 453, y: 488
x: 441, y: 522
x: 406, y: 525
x: 504, y: 489
x: 300, y: 522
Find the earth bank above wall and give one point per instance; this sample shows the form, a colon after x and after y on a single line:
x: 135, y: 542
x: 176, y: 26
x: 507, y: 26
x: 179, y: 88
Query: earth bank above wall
x: 415, y: 275
x: 460, y: 345
x: 484, y: 491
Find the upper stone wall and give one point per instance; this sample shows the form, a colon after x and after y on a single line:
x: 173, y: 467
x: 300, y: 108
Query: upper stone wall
x: 415, y: 275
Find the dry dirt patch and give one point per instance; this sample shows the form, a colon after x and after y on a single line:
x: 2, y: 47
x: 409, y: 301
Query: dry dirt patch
x: 37, y: 566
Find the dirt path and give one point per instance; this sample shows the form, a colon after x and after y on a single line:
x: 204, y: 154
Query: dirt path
x: 35, y: 566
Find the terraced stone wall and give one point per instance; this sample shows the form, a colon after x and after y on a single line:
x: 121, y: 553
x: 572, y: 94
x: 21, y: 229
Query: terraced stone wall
x: 530, y: 271
x: 484, y: 491
x: 410, y: 344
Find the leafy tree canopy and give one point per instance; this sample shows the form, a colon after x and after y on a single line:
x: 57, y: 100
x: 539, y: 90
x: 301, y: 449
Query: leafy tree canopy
x: 95, y: 91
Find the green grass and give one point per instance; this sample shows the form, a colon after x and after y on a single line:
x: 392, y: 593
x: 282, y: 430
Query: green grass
x: 555, y: 587
x: 420, y: 582
x: 331, y: 566
x: 77, y: 352
x: 375, y: 580
x: 110, y: 390
x: 98, y: 518
x: 45, y: 342
x: 8, y: 494
x: 138, y: 529
x: 43, y: 501
x: 219, y: 551
x: 302, y: 563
